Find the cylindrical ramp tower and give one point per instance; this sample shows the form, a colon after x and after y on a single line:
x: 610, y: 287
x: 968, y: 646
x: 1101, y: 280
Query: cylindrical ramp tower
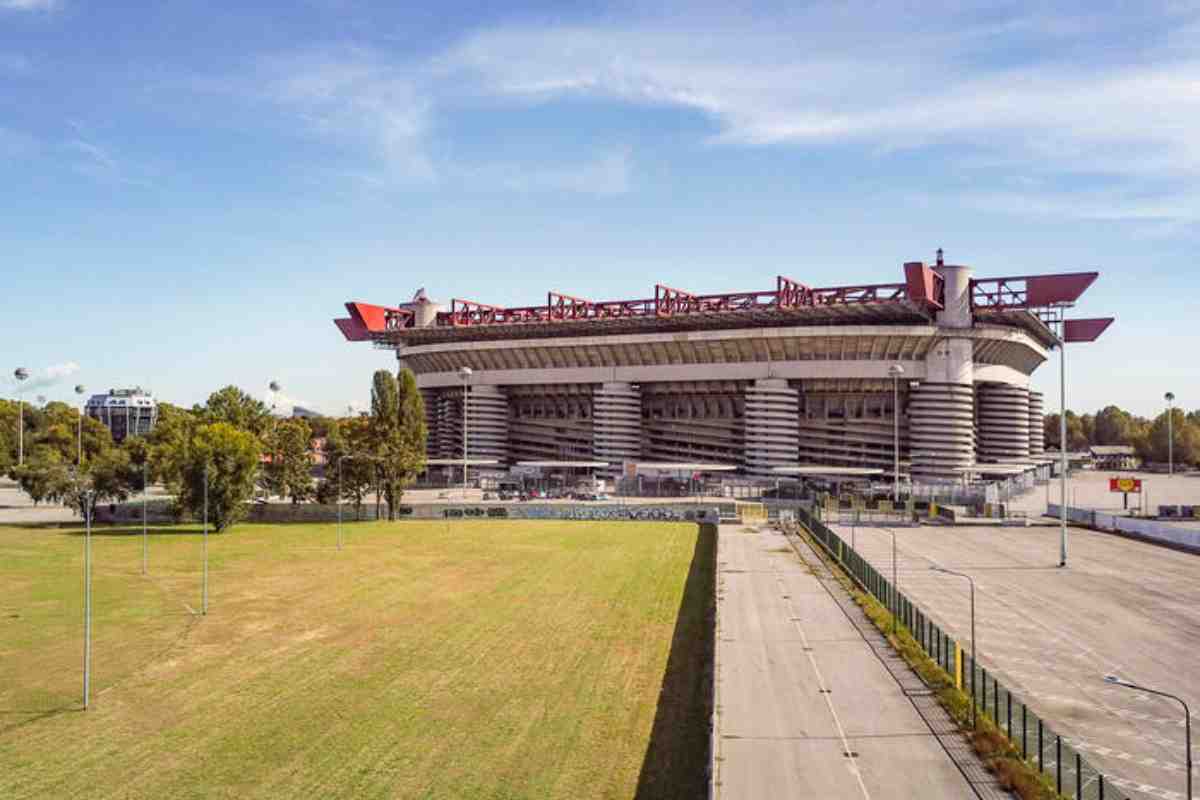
x: 941, y: 430
x: 487, y: 421
x: 616, y: 425
x: 942, y: 409
x: 772, y: 426
x: 1003, y: 422
x: 1037, y: 432
x: 433, y: 417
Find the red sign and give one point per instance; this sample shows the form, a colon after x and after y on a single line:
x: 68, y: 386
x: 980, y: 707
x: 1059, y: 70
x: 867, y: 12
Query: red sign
x: 1126, y: 485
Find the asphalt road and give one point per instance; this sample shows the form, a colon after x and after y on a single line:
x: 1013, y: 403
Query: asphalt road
x: 1120, y: 607
x: 798, y: 688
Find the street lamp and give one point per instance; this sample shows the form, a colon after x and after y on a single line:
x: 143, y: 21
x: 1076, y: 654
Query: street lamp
x: 1062, y: 448
x: 87, y: 600
x: 974, y: 656
x: 895, y: 370
x: 21, y: 374
x: 1170, y: 398
x: 465, y: 374
x: 1187, y: 718
x: 79, y: 390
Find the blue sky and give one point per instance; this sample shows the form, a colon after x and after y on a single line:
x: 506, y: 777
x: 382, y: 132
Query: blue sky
x: 191, y: 194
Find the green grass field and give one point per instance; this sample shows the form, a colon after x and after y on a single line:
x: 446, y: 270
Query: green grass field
x: 480, y: 659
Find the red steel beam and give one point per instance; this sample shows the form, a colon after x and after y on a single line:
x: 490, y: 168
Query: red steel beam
x: 1030, y: 291
x: 564, y: 306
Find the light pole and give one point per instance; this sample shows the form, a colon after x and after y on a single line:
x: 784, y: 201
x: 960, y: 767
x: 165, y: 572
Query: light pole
x: 1062, y: 448
x: 21, y: 374
x: 465, y: 374
x: 145, y: 541
x: 1187, y: 718
x: 204, y: 549
x: 974, y: 656
x: 895, y: 370
x: 1170, y: 398
x: 87, y: 600
x: 79, y: 390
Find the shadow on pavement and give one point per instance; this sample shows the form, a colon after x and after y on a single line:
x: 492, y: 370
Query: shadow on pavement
x: 677, y: 759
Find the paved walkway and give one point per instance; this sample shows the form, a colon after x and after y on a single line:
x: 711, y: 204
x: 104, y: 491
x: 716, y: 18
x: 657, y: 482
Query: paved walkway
x: 805, y: 708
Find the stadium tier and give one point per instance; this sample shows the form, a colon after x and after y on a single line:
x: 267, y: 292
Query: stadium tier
x: 790, y: 376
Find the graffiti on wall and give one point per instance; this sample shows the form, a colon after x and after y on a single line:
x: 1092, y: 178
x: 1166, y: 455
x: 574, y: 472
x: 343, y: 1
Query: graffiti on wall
x: 633, y: 513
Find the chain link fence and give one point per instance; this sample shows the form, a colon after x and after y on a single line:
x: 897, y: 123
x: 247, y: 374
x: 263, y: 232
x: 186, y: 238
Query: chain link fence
x: 1037, y: 742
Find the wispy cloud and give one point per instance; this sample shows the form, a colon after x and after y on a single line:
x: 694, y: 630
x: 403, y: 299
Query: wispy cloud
x: 1001, y: 90
x: 607, y: 174
x: 356, y: 96
x: 48, y: 376
x: 29, y: 5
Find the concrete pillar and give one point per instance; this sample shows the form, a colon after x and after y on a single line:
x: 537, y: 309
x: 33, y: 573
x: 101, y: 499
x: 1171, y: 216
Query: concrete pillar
x: 942, y: 408
x: 772, y: 426
x: 616, y: 425
x: 1037, y: 438
x: 1003, y: 422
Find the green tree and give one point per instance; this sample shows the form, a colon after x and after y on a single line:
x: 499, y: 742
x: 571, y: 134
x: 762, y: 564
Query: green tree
x: 1076, y: 436
x: 169, y: 443
x: 349, y: 443
x: 109, y: 477
x: 1154, y: 445
x: 1113, y: 426
x: 289, y: 470
x: 232, y: 459
x: 397, y: 433
x: 237, y: 408
x: 44, y: 476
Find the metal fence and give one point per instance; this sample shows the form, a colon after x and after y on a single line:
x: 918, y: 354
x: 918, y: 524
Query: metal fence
x: 1032, y: 736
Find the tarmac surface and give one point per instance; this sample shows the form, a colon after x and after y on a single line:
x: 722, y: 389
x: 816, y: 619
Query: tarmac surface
x: 1120, y: 606
x: 805, y: 708
x: 1089, y: 489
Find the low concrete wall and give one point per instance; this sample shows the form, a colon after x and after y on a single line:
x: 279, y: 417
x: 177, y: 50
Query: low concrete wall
x: 1151, y: 530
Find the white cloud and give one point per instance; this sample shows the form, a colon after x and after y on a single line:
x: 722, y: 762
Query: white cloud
x: 356, y: 96
x: 607, y: 174
x: 48, y: 376
x: 30, y: 5
x: 828, y: 80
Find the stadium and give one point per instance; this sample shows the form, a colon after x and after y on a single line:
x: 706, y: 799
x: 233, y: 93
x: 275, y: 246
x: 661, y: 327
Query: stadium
x: 760, y: 380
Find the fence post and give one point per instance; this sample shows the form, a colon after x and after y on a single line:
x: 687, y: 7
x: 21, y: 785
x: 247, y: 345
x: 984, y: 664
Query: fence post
x: 1041, y: 749
x: 1101, y: 787
x: 1078, y: 777
x: 1058, y: 763
x: 1024, y: 734
x: 1009, y: 712
x: 983, y: 704
x: 995, y: 701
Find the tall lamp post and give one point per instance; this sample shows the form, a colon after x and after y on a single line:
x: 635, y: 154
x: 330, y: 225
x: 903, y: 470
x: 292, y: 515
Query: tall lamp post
x: 79, y: 390
x: 1187, y: 719
x: 895, y: 370
x: 465, y: 374
x: 87, y: 600
x: 1062, y: 449
x: 974, y: 656
x: 1170, y: 398
x: 21, y: 374
x: 895, y: 582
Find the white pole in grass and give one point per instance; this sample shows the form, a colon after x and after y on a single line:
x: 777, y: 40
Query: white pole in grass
x: 204, y: 548
x: 87, y: 599
x: 145, y: 542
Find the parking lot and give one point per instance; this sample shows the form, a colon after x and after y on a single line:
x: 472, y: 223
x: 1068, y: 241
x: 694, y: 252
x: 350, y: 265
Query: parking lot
x: 1051, y: 634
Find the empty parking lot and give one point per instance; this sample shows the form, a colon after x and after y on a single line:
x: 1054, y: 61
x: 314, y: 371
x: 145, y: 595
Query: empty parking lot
x: 1051, y: 634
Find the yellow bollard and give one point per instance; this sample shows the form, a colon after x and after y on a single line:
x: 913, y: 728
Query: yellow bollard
x: 933, y: 510
x: 958, y: 666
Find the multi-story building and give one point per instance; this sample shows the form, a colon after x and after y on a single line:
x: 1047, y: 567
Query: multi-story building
x: 124, y: 412
x: 765, y: 379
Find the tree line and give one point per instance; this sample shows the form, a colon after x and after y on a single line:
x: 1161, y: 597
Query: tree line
x: 231, y: 445
x: 1148, y: 437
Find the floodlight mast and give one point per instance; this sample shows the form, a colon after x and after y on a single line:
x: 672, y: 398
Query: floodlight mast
x: 1170, y: 398
x: 21, y: 374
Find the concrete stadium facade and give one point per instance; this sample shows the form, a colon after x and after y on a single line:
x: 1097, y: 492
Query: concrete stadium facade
x: 761, y: 380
